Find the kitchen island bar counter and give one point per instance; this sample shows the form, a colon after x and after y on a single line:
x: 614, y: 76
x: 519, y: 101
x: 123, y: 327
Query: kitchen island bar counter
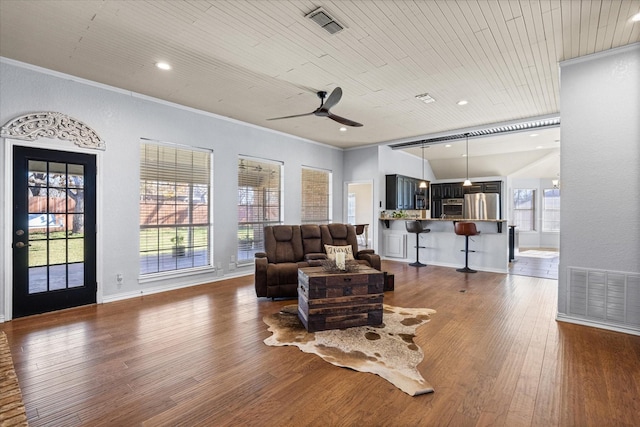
x: 443, y: 247
x: 499, y: 222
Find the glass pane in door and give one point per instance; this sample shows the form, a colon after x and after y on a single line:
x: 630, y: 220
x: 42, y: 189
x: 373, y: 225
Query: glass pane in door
x: 56, y: 225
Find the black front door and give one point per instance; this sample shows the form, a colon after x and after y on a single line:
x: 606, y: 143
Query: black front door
x: 54, y: 230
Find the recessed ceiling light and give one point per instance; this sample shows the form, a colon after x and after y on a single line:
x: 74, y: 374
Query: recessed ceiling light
x: 539, y: 147
x: 343, y: 129
x: 636, y: 17
x: 163, y: 65
x: 464, y: 155
x: 463, y: 102
x: 533, y: 134
x: 447, y: 146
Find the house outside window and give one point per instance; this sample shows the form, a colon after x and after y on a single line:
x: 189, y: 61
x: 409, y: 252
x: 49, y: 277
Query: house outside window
x: 259, y: 203
x: 551, y: 210
x: 524, y: 209
x: 175, y: 216
x: 316, y: 196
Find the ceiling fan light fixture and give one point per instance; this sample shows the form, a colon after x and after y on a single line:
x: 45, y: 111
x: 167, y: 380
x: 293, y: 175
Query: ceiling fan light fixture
x: 323, y: 110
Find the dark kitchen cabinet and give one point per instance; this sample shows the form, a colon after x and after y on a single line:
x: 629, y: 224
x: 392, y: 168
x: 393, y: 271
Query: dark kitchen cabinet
x: 436, y: 191
x: 401, y: 192
x: 457, y: 190
x: 475, y: 187
x: 436, y: 208
x: 491, y: 187
x: 447, y: 191
x: 483, y: 187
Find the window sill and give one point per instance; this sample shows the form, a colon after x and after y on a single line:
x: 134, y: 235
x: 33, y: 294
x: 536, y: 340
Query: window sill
x: 153, y: 277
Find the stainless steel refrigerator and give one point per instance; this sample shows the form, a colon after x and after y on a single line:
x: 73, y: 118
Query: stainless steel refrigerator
x: 482, y: 206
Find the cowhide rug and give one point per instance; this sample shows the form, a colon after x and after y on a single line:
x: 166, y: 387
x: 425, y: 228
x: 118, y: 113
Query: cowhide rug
x: 387, y: 350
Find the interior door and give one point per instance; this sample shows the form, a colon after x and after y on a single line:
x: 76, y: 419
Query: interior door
x: 54, y: 230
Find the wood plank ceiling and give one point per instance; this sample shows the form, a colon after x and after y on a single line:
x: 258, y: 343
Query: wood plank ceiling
x: 252, y: 60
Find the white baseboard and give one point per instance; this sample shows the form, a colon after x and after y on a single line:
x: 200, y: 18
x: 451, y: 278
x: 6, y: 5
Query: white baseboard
x: 600, y: 325
x: 166, y: 288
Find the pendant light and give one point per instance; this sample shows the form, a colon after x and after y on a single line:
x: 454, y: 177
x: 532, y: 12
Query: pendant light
x: 423, y: 183
x: 467, y: 183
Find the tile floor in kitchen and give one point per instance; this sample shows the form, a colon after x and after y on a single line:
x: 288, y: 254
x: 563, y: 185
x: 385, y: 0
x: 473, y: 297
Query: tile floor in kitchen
x: 536, y: 263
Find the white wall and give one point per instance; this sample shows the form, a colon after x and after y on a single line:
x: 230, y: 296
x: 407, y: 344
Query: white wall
x: 121, y: 119
x: 600, y: 165
x: 361, y: 165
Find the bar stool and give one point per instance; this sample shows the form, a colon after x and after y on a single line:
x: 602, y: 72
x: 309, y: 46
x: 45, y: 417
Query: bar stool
x: 416, y: 227
x: 466, y: 229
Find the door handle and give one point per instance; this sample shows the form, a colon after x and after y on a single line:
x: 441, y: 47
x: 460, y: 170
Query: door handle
x: 21, y: 245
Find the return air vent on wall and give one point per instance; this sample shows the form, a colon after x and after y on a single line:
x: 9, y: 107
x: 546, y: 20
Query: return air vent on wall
x: 322, y: 18
x: 605, y: 297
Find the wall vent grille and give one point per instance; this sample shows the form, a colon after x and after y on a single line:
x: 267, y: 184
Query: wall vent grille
x: 326, y: 21
x: 604, y: 296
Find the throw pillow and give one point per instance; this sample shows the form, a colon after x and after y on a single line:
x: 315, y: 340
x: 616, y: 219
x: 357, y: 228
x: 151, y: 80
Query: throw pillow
x: 332, y: 250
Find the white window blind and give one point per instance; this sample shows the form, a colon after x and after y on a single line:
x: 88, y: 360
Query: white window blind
x: 259, y: 203
x: 551, y: 210
x: 175, y: 228
x: 316, y: 196
x: 524, y: 209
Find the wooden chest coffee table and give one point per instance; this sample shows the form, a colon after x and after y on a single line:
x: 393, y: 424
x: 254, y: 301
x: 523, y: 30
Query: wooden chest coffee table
x: 339, y: 300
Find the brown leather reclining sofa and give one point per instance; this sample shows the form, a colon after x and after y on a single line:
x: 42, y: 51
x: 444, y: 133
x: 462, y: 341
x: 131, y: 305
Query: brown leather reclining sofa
x: 289, y: 247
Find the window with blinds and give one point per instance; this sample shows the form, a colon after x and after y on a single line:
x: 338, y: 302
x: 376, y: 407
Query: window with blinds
x: 524, y: 209
x: 316, y: 196
x: 551, y: 210
x: 175, y: 224
x: 259, y: 203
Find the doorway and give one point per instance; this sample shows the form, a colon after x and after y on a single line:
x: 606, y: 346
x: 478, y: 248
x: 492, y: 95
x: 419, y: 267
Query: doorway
x: 53, y: 230
x: 360, y: 211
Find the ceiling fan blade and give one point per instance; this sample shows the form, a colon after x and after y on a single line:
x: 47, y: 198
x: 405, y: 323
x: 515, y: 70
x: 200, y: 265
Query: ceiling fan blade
x: 295, y: 115
x: 333, y: 99
x: 344, y: 121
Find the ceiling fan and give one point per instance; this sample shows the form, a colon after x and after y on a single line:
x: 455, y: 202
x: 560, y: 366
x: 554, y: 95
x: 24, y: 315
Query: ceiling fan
x: 323, y: 110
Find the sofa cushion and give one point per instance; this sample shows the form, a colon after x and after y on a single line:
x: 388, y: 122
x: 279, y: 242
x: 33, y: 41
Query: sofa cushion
x: 339, y: 235
x: 283, y: 243
x: 311, y: 238
x: 333, y: 250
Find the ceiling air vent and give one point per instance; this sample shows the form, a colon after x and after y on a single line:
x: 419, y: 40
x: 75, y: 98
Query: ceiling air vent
x: 322, y: 18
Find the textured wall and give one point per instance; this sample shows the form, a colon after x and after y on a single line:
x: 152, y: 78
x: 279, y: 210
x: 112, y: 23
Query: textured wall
x: 600, y: 164
x: 121, y: 119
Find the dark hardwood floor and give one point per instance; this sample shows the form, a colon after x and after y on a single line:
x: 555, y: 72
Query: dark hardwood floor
x: 493, y: 352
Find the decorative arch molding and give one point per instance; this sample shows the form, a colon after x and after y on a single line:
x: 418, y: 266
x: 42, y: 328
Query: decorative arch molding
x: 50, y: 124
